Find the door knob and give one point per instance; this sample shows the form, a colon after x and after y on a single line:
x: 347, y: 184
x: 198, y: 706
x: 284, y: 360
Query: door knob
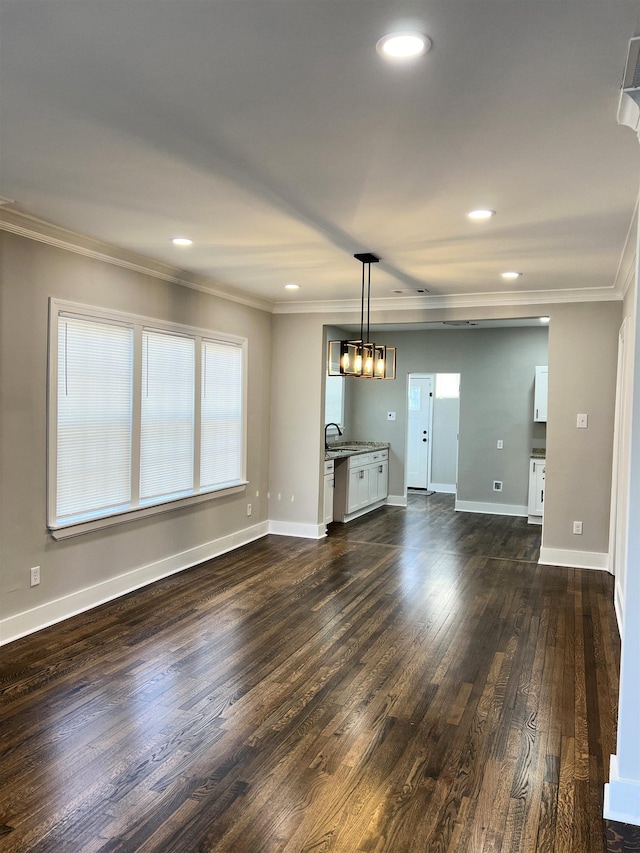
x: 424, y: 439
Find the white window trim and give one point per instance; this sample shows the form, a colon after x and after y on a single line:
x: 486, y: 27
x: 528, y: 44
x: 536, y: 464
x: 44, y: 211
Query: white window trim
x: 64, y: 531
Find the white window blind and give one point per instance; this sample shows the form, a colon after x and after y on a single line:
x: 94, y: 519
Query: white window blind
x: 140, y: 415
x: 221, y: 414
x: 167, y: 415
x: 94, y: 394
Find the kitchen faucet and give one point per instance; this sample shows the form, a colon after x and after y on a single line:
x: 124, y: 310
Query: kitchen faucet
x: 326, y: 444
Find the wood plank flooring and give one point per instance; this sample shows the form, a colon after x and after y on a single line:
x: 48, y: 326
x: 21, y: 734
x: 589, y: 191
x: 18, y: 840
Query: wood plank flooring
x: 413, y: 683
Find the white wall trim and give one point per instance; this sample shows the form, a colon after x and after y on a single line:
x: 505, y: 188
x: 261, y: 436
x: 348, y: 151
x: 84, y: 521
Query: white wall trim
x: 626, y: 272
x: 396, y: 500
x: 456, y: 300
x: 574, y: 559
x: 29, y: 621
x: 293, y: 528
x: 491, y: 508
x: 61, y: 238
x: 621, y: 797
x: 445, y: 488
x: 618, y: 604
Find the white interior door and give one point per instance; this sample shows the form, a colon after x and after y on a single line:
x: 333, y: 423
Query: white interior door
x: 419, y: 419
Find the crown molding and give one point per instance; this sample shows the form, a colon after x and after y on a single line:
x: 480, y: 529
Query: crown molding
x: 626, y: 271
x: 458, y: 300
x: 41, y: 231
x: 25, y: 225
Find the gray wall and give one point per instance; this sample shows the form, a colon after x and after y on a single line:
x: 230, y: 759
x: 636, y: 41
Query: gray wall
x: 31, y: 272
x: 583, y: 356
x: 497, y: 368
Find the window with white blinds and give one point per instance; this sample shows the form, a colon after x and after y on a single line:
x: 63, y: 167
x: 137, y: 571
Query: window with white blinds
x: 139, y: 415
x: 167, y: 415
x: 95, y: 396
x: 221, y: 407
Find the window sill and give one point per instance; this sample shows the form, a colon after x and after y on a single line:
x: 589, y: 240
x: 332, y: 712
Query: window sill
x: 89, y: 526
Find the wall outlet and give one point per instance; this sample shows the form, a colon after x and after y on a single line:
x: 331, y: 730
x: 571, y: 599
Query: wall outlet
x: 497, y: 485
x: 35, y: 575
x: 391, y: 416
x: 499, y: 444
x: 248, y: 509
x: 577, y: 527
x: 582, y: 422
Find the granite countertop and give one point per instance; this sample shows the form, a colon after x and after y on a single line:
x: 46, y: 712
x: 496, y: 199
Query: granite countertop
x: 538, y: 453
x: 343, y: 449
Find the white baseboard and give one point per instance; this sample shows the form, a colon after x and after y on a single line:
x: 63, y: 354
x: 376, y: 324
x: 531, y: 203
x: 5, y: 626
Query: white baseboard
x: 535, y: 519
x: 302, y: 531
x: 491, y: 508
x: 396, y: 500
x: 445, y: 488
x: 574, y: 559
x: 621, y: 797
x: 29, y: 621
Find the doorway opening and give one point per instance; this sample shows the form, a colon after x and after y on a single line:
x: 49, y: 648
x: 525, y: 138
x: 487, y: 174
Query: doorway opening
x: 433, y: 415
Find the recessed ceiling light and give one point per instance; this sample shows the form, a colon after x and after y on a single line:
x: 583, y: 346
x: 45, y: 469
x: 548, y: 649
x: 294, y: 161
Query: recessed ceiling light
x: 510, y: 276
x: 544, y: 319
x: 481, y: 214
x: 403, y: 45
x: 182, y: 241
x: 292, y: 287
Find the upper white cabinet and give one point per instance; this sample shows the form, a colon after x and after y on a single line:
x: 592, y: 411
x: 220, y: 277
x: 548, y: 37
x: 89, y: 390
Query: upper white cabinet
x: 540, y: 393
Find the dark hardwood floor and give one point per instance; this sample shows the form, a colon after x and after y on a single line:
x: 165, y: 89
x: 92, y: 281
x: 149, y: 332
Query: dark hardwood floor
x: 414, y: 682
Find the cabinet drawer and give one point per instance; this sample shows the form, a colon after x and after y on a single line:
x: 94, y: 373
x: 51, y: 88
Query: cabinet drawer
x: 359, y: 460
x: 328, y: 466
x: 379, y: 455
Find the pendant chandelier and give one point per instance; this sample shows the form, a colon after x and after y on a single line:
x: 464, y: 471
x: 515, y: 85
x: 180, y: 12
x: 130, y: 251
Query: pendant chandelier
x: 362, y: 358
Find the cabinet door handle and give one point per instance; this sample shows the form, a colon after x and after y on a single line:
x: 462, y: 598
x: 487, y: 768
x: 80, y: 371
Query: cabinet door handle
x: 541, y: 495
x: 361, y: 474
x: 380, y: 469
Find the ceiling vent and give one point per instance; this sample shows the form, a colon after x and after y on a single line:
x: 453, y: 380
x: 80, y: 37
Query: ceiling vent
x: 458, y: 323
x: 629, y: 105
x: 400, y: 291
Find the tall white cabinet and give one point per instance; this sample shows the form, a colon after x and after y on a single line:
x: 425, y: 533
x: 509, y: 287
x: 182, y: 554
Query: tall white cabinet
x: 540, y: 394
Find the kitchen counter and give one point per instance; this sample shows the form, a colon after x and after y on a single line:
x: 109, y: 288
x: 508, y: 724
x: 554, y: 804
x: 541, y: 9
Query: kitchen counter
x: 342, y: 450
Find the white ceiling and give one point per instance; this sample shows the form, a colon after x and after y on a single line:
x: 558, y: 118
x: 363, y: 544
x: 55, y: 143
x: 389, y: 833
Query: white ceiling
x: 272, y: 134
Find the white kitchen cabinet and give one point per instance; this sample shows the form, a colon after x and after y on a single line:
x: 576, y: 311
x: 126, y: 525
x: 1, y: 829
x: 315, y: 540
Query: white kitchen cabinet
x: 328, y: 490
x: 540, y: 394
x: 378, y: 481
x: 361, y: 484
x: 358, y: 491
x: 536, y: 490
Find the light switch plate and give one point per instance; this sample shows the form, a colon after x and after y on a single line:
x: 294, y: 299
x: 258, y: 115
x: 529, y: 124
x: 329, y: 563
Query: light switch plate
x: 391, y: 416
x: 582, y: 422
